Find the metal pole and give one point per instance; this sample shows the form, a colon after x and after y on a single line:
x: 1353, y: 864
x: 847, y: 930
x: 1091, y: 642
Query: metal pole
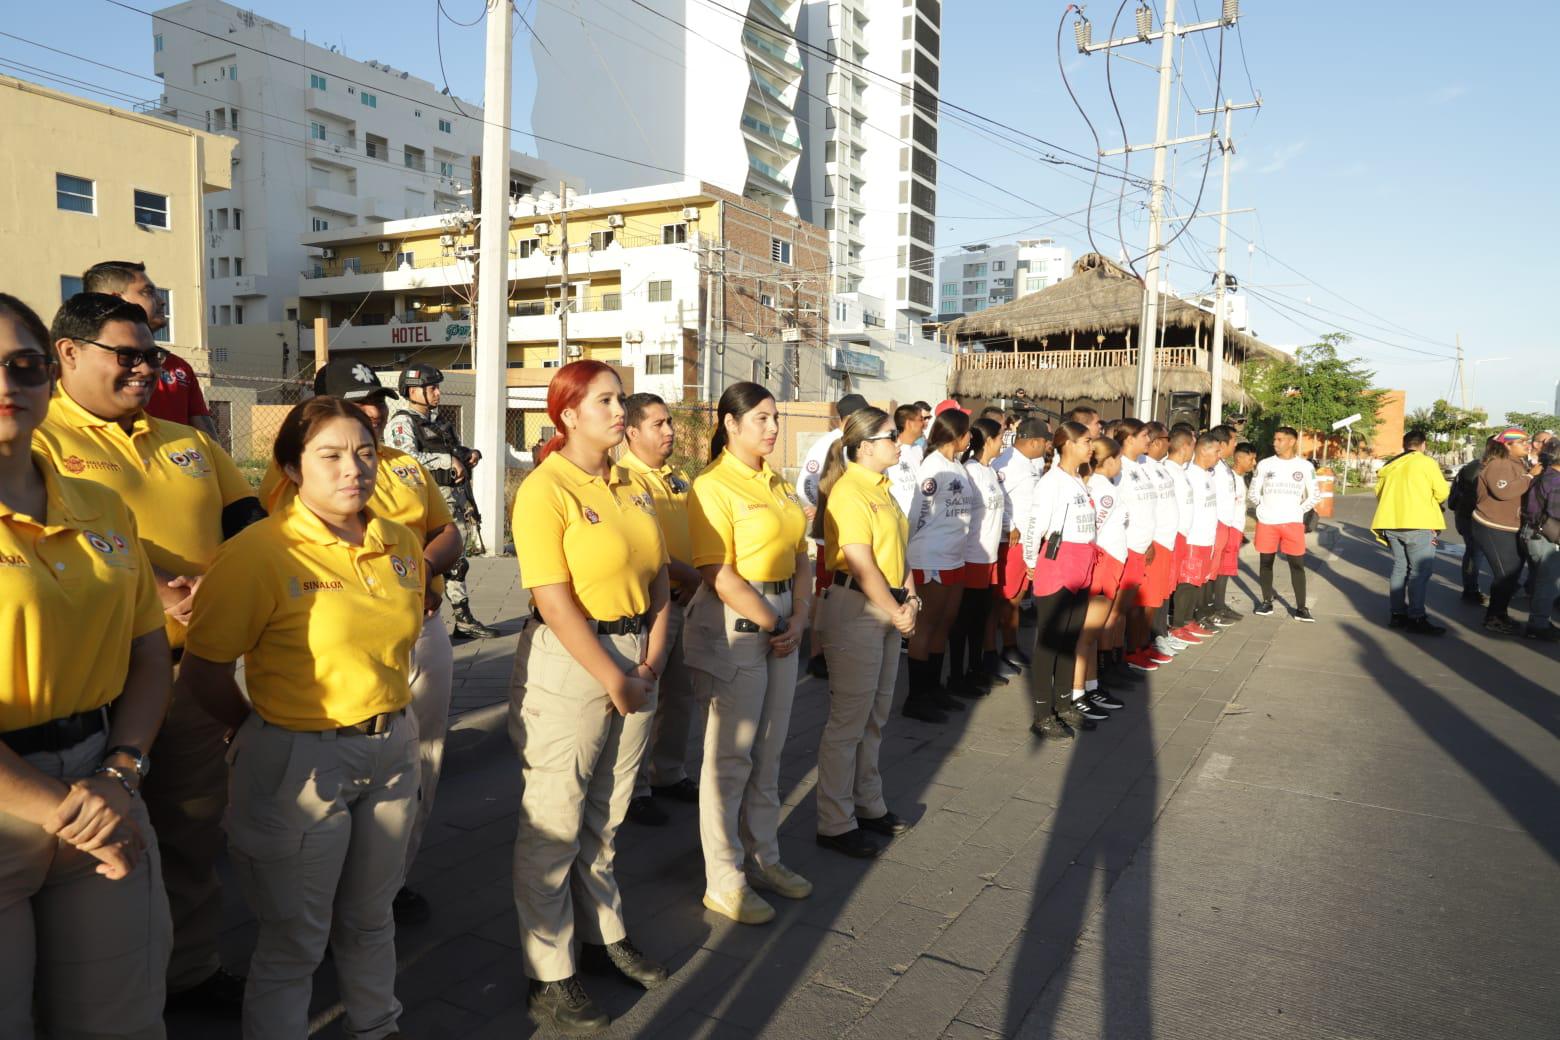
x: 1148, y: 340
x: 563, y: 290
x: 492, y: 311
x: 1216, y: 363
x: 1462, y: 374
x: 321, y: 343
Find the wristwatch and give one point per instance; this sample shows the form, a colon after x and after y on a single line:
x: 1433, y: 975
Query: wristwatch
x: 138, y: 758
x: 781, y: 627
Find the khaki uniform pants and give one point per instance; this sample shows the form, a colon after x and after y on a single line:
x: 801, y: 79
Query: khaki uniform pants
x: 433, y: 669
x: 185, y: 793
x: 861, y: 646
x: 578, y: 762
x: 317, y: 828
x: 92, y: 953
x: 666, y: 760
x: 749, y: 693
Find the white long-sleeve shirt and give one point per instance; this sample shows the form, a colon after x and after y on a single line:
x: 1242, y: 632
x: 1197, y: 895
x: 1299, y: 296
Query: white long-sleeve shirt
x: 987, y: 505
x: 1185, y: 495
x: 1283, y: 490
x: 1204, y: 528
x: 1059, y: 502
x: 1136, y: 488
x: 901, y: 475
x: 1110, y: 516
x: 1018, y: 475
x: 1227, y: 487
x: 1166, y: 507
x: 939, y: 514
x: 812, y: 469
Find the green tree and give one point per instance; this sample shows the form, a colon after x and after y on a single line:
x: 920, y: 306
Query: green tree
x: 1313, y: 390
x: 1533, y: 422
x: 1447, y: 426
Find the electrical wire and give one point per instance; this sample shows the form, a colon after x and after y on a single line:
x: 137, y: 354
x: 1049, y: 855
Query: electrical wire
x: 1218, y: 99
x: 439, y: 14
x: 1061, y: 67
x: 1126, y: 143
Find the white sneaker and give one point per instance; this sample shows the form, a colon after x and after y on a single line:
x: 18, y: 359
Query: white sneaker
x: 781, y: 880
x: 1166, y: 645
x: 742, y: 905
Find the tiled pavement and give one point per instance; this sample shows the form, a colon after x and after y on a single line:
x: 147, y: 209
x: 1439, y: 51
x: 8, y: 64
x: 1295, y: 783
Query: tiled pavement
x: 1296, y: 830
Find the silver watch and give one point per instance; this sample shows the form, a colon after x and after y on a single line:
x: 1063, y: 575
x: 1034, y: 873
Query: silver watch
x: 138, y: 758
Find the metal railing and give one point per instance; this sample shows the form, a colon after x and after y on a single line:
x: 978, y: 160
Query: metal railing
x: 1013, y: 360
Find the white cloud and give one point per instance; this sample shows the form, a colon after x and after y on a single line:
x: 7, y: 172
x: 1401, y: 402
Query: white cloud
x: 1450, y: 92
x: 1281, y: 157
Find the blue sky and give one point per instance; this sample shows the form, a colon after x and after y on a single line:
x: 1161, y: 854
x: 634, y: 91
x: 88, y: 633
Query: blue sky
x: 1400, y: 159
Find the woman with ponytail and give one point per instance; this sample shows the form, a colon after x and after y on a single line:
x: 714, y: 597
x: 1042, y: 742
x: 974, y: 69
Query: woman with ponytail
x: 939, y: 528
x: 583, y: 692
x: 1101, y: 625
x: 972, y: 655
x: 869, y: 604
x: 749, y: 537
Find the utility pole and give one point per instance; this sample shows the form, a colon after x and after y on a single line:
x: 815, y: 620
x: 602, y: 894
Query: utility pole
x: 492, y: 311
x: 1148, y: 333
x: 1462, y: 374
x: 1216, y: 362
x: 563, y: 284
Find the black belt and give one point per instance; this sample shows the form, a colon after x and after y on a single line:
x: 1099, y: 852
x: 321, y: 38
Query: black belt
x: 376, y: 726
x: 845, y: 580
x: 775, y: 588
x: 57, y: 734
x: 623, y: 626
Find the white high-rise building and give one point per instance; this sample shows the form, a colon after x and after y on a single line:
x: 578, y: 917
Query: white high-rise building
x: 325, y: 142
x: 984, y: 275
x: 631, y: 94
x: 869, y: 171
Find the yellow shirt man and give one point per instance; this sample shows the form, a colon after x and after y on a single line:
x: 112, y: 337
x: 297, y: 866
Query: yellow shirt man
x: 598, y: 536
x: 75, y: 589
x: 669, y: 488
x: 325, y: 628
x: 750, y: 518
x: 861, y: 511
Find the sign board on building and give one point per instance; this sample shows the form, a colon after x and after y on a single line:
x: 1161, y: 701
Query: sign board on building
x: 857, y: 363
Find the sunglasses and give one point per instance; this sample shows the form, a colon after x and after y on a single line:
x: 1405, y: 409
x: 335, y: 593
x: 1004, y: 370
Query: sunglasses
x: 890, y: 435
x: 29, y: 369
x: 130, y: 357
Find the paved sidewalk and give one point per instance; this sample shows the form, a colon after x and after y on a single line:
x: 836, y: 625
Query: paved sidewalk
x: 1296, y: 830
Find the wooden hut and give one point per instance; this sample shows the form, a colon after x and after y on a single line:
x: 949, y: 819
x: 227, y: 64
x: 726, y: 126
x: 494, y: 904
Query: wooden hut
x: 1076, y: 342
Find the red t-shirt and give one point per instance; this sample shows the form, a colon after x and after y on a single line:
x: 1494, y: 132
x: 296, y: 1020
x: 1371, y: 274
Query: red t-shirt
x: 177, y: 397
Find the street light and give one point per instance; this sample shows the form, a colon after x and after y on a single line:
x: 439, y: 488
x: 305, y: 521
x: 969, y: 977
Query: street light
x: 1475, y: 371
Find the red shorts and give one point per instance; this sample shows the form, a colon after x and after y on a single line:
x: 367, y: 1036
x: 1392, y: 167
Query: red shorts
x: 1108, y: 573
x: 1135, y: 574
x: 1288, y: 539
x: 1011, y: 560
x: 951, y: 579
x: 1196, y: 565
x: 978, y: 575
x: 1229, y: 562
x: 1159, y: 581
x: 1072, y: 569
x: 1216, y: 554
x: 823, y: 577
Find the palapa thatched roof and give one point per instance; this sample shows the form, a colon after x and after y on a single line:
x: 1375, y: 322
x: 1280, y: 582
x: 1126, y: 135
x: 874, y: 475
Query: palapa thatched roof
x: 1079, y: 384
x: 1098, y: 297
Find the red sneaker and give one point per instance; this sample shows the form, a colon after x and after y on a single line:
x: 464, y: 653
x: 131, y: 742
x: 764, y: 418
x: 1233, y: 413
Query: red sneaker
x: 1186, y: 635
x: 1199, y: 630
x: 1139, y: 662
x: 1155, y: 656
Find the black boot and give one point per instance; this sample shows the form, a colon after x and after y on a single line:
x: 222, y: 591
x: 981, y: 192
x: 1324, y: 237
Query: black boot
x: 916, y: 705
x: 991, y: 667
x: 937, y: 692
x: 567, y: 1006
x: 468, y: 627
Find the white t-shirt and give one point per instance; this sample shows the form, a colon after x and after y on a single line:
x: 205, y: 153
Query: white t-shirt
x: 1185, y: 495
x: 1059, y: 502
x: 1136, y: 487
x: 1227, y: 487
x: 1283, y: 490
x: 901, y: 475
x: 1110, y: 516
x: 939, y: 514
x: 812, y: 469
x: 1018, y: 475
x: 987, y: 508
x: 1166, y: 510
x: 1205, y: 505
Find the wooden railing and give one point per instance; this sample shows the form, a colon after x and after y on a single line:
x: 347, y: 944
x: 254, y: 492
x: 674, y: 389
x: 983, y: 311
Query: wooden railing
x: 1006, y: 360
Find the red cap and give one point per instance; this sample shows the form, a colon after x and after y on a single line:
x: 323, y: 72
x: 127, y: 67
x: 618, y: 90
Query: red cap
x: 950, y: 405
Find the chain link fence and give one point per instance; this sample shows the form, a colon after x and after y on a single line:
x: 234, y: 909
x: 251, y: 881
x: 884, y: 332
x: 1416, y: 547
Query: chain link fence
x: 248, y: 411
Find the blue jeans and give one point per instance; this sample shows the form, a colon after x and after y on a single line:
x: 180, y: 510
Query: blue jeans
x: 1412, y: 556
x: 1544, y: 558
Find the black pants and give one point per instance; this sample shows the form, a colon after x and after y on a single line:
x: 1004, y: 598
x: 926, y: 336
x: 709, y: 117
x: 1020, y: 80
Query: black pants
x: 1058, y: 623
x: 1505, y: 559
x: 1470, y: 560
x: 967, y: 640
x: 1296, y: 577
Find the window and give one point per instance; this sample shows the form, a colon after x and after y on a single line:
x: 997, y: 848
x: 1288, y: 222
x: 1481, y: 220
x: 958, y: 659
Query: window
x: 674, y: 234
x: 231, y: 72
x: 600, y: 239
x: 316, y: 131
x: 238, y: 220
x: 779, y: 251
x: 1033, y: 284
x: 405, y: 260
x: 973, y: 287
x: 292, y: 314
x: 70, y: 285
x: 233, y: 118
x: 213, y: 315
x: 766, y: 300
x: 950, y: 288
x: 151, y: 209
x: 238, y: 314
x: 611, y: 301
x: 238, y: 266
x: 661, y: 291
x: 414, y: 158
x: 974, y: 270
x: 446, y: 127
x: 352, y: 265
x: 320, y: 224
x: 316, y: 81
x: 371, y: 100
x: 226, y: 313
x: 528, y: 248
x: 999, y: 265
x: 660, y: 364
x: 446, y: 169
x: 376, y: 147
x: 157, y: 44
x: 75, y: 193
x: 165, y: 334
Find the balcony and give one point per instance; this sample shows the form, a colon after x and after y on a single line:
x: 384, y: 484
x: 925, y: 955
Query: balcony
x: 242, y: 286
x: 769, y: 136
x: 326, y: 103
x: 333, y: 201
x: 1033, y: 360
x: 775, y: 53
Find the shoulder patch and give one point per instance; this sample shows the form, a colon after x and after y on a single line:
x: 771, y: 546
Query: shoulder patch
x: 929, y: 486
x: 812, y: 465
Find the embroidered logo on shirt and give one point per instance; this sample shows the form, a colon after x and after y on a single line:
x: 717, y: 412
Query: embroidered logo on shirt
x: 955, y: 486
x: 190, y: 462
x: 98, y: 542
x: 929, y: 486
x: 76, y: 464
x: 321, y: 586
x: 408, y: 475
x: 1299, y: 475
x: 1107, y: 501
x: 812, y: 465
x: 591, y: 515
x: 10, y: 560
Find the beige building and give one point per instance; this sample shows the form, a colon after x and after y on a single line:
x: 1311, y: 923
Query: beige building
x: 85, y: 182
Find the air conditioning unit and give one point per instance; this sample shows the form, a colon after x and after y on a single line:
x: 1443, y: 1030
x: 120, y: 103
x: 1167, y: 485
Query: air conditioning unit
x: 575, y: 350
x: 446, y: 240
x: 614, y: 220
x: 691, y: 213
x: 541, y: 229
x: 466, y: 252
x: 385, y: 247
x: 327, y: 253
x: 633, y: 336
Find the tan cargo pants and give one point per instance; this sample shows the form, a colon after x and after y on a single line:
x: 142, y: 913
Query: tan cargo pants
x: 317, y: 827
x: 861, y: 646
x: 578, y: 763
x: 431, y: 677
x: 90, y: 953
x: 749, y: 693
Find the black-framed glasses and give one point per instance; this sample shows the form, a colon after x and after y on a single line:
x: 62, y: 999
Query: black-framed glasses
x: 29, y: 368
x: 130, y: 357
x: 886, y: 436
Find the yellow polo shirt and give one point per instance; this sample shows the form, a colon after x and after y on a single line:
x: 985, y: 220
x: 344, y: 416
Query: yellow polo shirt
x: 403, y: 492
x: 599, y: 537
x: 175, y: 479
x: 861, y: 511
x: 75, y: 589
x: 670, y: 490
x: 325, y: 628
x: 749, y: 518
